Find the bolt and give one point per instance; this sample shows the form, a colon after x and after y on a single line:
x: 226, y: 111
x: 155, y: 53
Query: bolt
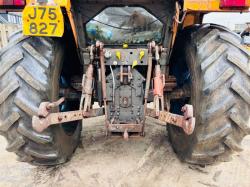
x: 173, y: 119
x: 125, y: 101
x: 59, y: 118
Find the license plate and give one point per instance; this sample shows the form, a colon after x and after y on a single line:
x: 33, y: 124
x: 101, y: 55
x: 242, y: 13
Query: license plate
x: 43, y: 21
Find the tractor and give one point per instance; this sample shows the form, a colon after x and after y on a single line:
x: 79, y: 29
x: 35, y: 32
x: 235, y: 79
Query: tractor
x: 123, y: 56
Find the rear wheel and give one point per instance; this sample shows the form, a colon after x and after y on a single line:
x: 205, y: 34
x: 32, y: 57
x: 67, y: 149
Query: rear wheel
x: 29, y: 74
x: 216, y: 66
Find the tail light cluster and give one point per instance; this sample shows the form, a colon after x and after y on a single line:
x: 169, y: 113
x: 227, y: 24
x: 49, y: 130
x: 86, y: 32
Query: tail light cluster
x: 235, y: 3
x: 12, y: 2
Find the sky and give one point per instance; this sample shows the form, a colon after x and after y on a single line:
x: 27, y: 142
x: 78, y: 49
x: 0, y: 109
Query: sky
x: 227, y: 19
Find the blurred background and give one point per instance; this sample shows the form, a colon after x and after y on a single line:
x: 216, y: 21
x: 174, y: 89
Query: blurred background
x: 12, y: 22
x: 234, y: 21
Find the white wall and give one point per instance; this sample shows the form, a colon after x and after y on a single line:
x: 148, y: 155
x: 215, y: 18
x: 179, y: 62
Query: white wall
x: 227, y: 19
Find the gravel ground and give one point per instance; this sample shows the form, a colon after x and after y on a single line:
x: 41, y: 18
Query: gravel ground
x: 149, y: 161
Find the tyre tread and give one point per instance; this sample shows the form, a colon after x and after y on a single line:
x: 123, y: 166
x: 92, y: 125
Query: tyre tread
x: 22, y: 89
x: 220, y: 125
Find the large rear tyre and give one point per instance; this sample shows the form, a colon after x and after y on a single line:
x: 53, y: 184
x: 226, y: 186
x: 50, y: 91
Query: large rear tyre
x: 29, y: 74
x: 217, y: 67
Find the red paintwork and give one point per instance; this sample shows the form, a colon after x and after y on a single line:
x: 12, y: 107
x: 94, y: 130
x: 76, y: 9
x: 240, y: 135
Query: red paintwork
x: 19, y: 2
x: 233, y: 3
x: 12, y: 2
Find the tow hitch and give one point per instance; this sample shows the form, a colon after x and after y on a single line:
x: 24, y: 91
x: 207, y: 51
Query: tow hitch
x: 124, y: 91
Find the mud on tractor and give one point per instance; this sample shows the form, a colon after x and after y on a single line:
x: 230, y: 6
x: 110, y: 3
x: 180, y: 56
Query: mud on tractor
x: 124, y: 55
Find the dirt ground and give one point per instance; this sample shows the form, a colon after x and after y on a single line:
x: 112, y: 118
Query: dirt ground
x: 148, y: 161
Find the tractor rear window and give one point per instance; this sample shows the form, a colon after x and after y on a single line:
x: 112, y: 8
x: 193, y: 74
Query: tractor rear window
x: 118, y: 25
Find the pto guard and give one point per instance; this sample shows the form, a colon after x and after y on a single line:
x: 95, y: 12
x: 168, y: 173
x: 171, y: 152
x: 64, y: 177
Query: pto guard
x: 43, y: 21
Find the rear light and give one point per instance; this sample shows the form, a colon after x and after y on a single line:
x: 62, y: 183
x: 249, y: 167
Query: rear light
x: 12, y: 2
x: 234, y: 3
